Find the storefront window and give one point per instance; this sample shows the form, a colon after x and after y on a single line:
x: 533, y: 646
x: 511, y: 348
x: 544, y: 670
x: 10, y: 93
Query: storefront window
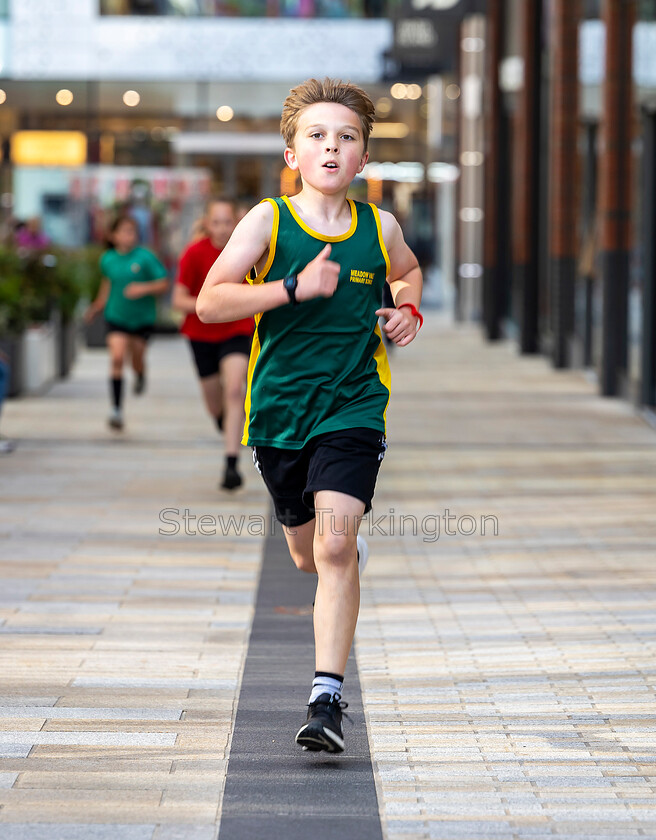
x: 250, y: 8
x: 647, y: 10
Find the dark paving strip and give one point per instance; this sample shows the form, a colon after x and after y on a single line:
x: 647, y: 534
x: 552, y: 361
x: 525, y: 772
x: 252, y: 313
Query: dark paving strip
x: 273, y: 789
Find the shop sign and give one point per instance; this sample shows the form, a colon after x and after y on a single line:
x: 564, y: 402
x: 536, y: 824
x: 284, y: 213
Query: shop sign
x: 426, y: 36
x: 49, y: 148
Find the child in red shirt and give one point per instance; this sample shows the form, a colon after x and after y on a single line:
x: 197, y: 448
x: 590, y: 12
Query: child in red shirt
x: 220, y: 351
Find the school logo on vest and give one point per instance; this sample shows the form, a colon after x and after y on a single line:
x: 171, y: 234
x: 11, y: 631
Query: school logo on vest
x: 364, y: 277
x: 135, y: 268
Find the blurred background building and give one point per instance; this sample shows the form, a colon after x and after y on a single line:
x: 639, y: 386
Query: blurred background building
x: 515, y: 140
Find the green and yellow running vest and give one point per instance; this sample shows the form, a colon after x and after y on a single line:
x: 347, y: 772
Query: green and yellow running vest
x: 320, y: 366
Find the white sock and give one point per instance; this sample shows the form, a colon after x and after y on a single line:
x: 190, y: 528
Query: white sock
x: 326, y: 685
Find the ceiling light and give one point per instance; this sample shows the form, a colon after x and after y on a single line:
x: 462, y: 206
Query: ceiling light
x: 131, y: 98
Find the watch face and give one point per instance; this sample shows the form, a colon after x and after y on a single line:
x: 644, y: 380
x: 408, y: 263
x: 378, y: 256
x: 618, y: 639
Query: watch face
x: 290, y: 283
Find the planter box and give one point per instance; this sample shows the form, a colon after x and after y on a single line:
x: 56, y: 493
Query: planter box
x: 12, y: 347
x: 39, y: 357
x: 67, y: 347
x: 66, y: 342
x: 95, y: 332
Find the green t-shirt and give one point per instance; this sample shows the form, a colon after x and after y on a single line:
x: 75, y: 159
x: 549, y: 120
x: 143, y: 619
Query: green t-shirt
x: 320, y: 366
x: 139, y: 266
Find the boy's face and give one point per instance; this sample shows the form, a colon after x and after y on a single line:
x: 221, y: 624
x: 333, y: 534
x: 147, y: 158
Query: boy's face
x: 328, y: 147
x: 219, y: 223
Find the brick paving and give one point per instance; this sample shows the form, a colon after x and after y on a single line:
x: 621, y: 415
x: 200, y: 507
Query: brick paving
x: 508, y: 679
x: 120, y: 649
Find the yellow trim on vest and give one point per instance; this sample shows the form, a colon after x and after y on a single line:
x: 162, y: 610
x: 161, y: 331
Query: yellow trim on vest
x: 323, y: 237
x: 255, y: 352
x: 255, y: 346
x: 381, y: 241
x: 259, y: 278
x: 384, y: 373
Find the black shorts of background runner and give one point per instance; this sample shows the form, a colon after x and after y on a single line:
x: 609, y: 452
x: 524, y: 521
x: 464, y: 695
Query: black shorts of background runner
x: 144, y: 332
x: 346, y: 461
x: 208, y: 354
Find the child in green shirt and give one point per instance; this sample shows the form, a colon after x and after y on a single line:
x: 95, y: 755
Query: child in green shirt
x: 132, y: 277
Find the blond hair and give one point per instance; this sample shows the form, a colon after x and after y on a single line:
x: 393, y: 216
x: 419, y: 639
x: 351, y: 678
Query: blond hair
x: 313, y: 91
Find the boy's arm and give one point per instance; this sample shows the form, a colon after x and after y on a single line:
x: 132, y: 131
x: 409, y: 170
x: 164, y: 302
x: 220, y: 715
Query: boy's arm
x: 143, y: 288
x: 405, y: 282
x: 224, y: 297
x: 157, y: 284
x: 182, y: 299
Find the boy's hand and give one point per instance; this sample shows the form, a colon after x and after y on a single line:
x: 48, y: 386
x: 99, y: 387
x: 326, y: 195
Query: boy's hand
x: 134, y: 290
x: 318, y: 278
x: 401, y: 326
x: 89, y: 314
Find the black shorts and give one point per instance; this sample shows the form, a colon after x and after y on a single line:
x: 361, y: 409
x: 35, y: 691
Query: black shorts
x: 208, y: 354
x: 144, y: 332
x: 346, y: 461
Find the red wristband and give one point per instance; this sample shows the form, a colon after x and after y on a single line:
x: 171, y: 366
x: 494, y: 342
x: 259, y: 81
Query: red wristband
x: 414, y: 311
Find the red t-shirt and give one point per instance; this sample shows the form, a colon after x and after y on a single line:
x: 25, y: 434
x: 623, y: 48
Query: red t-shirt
x: 192, y: 271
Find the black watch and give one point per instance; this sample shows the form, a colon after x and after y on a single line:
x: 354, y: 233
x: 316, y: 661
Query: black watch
x: 290, y: 283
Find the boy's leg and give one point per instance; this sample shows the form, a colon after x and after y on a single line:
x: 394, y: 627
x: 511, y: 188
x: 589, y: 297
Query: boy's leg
x: 137, y: 354
x: 213, y: 395
x: 117, y: 343
x: 234, y: 368
x: 138, y: 359
x: 300, y: 541
x: 335, y: 616
x: 206, y: 359
x: 338, y: 591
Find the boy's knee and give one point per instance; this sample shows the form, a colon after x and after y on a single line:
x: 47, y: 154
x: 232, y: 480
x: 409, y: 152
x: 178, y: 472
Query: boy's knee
x: 234, y: 393
x: 335, y: 548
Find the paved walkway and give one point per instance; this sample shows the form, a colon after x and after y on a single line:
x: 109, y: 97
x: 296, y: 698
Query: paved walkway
x: 508, y: 679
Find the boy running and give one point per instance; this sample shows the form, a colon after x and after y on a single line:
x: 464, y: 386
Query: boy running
x: 220, y: 350
x: 319, y: 382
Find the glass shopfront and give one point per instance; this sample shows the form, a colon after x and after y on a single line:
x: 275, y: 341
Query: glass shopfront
x: 252, y: 8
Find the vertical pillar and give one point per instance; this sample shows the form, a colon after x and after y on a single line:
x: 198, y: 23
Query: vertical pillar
x: 493, y: 286
x: 526, y: 180
x: 563, y: 203
x: 648, y: 180
x: 470, y: 221
x: 589, y: 237
x: 615, y: 190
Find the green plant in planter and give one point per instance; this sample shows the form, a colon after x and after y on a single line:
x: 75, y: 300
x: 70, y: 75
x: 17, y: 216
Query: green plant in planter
x: 86, y: 270
x: 14, y: 306
x: 32, y: 284
x: 66, y: 283
x: 39, y: 285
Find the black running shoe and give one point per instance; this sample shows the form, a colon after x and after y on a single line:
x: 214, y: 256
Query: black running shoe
x: 323, y: 729
x: 231, y: 479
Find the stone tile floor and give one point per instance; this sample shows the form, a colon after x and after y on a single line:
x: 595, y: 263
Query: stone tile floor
x: 508, y: 673
x: 122, y: 630
x: 507, y: 659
